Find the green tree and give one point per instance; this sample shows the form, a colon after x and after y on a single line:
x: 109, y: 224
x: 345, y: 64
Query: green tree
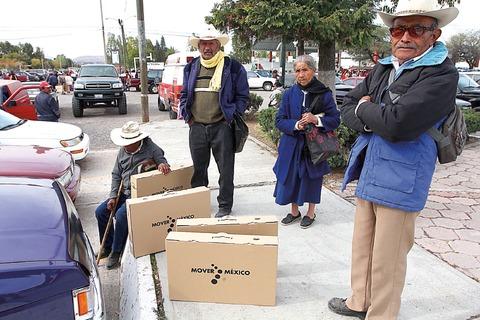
x: 242, y: 48
x: 379, y: 43
x: 36, y: 63
x: 327, y: 22
x: 465, y: 47
x: 132, y: 50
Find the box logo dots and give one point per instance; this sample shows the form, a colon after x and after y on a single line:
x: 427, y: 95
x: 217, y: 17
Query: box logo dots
x: 171, y: 223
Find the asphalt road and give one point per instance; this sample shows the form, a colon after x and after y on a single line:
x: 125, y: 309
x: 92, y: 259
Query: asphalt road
x: 97, y: 166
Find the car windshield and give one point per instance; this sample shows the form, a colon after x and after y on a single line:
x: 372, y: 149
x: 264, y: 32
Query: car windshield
x: 338, y: 81
x: 154, y: 73
x: 465, y: 81
x: 8, y: 121
x: 264, y: 73
x: 98, y: 71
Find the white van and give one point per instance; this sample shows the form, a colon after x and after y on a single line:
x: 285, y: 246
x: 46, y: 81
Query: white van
x: 172, y: 82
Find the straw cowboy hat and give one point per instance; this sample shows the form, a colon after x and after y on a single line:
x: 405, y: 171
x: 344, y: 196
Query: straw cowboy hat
x: 128, y: 134
x: 209, y: 35
x: 429, y: 8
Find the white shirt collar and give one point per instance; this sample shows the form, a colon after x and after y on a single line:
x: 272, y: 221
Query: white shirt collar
x: 396, y: 62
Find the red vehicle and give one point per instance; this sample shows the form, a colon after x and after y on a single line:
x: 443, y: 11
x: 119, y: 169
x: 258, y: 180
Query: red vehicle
x: 14, y: 99
x: 172, y: 82
x: 21, y: 76
x: 353, y: 81
x: 41, y: 162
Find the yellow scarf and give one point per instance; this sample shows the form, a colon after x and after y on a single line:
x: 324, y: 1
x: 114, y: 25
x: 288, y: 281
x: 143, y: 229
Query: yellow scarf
x: 218, y: 62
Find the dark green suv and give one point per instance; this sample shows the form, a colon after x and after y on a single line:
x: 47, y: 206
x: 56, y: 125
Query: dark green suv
x: 98, y: 85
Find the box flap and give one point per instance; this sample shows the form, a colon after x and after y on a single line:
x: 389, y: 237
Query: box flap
x: 156, y: 172
x: 168, y: 194
x: 222, y: 238
x: 227, y: 221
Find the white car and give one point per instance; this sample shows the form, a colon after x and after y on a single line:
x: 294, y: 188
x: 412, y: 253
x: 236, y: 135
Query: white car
x: 16, y: 131
x: 255, y: 81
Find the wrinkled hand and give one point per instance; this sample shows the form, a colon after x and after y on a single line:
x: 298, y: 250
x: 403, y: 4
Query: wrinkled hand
x: 365, y: 98
x: 164, y: 168
x: 307, y: 118
x: 110, y: 204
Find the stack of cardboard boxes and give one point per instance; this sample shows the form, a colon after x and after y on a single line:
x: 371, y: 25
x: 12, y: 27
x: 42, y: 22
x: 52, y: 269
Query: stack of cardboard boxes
x: 229, y: 260
x: 157, y: 202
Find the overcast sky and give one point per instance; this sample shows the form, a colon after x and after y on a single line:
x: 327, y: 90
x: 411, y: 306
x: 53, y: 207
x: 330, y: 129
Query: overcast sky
x: 73, y: 27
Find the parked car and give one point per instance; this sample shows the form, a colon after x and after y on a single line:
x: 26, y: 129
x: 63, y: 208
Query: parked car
x: 264, y: 73
x: 255, y: 81
x: 47, y: 265
x: 154, y: 77
x: 34, y: 89
x: 172, y: 82
x: 353, y: 81
x: 475, y: 75
x: 468, y: 90
x: 42, y: 73
x: 14, y: 99
x: 463, y: 104
x: 21, y: 76
x: 98, y: 85
x: 16, y: 131
x: 41, y: 162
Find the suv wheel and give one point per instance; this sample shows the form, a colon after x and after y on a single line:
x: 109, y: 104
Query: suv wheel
x: 153, y: 89
x: 77, y: 108
x: 122, y: 105
x: 161, y: 106
x: 267, y: 86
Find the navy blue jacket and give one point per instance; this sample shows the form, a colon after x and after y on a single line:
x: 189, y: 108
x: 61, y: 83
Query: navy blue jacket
x: 47, y: 107
x: 289, y: 113
x: 233, y: 94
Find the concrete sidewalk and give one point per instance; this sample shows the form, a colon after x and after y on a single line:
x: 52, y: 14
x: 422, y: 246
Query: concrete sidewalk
x: 314, y: 264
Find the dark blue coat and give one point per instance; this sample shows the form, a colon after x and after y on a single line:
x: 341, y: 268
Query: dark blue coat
x: 233, y: 94
x: 289, y: 113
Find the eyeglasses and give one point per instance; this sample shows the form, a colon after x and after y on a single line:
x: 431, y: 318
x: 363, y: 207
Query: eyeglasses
x: 413, y: 31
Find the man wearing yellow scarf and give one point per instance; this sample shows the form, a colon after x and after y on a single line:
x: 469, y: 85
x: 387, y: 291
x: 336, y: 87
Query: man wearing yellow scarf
x: 214, y: 88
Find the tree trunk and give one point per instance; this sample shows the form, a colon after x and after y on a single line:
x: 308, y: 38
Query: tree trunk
x: 326, y: 64
x: 300, y: 47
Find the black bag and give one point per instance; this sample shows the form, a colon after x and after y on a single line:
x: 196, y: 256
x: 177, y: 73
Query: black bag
x: 240, y: 132
x: 451, y: 137
x: 321, y: 144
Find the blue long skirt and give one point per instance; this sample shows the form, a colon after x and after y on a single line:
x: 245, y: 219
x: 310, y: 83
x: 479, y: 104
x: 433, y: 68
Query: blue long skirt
x: 299, y: 187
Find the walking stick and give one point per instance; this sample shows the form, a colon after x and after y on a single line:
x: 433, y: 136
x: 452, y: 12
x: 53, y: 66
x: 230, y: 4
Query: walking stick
x: 110, y: 221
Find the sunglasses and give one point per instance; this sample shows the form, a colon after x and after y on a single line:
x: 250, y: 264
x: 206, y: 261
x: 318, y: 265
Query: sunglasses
x: 413, y: 31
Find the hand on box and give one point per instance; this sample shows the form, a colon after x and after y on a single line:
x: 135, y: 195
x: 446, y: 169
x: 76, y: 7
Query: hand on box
x: 164, y: 168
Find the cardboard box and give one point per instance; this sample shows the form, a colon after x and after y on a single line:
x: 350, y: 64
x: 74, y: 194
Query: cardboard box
x: 220, y: 267
x: 151, y: 218
x: 155, y: 182
x: 247, y: 225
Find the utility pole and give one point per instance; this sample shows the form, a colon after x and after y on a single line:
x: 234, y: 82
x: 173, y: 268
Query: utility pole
x: 124, y: 45
x: 143, y: 60
x: 103, y: 34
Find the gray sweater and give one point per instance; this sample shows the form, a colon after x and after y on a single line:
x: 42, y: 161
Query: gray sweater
x: 127, y: 164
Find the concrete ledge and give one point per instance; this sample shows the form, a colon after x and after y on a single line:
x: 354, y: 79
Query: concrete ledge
x: 137, y: 289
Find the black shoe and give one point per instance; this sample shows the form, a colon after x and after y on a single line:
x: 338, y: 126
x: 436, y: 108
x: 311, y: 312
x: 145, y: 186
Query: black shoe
x: 339, y: 306
x: 307, y: 221
x: 113, y: 261
x: 105, y: 253
x: 290, y: 218
x: 222, y: 212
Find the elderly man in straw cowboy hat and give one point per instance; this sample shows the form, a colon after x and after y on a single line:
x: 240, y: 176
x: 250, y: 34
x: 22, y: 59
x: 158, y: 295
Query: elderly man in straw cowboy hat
x: 136, y: 149
x: 394, y: 157
x: 214, y: 88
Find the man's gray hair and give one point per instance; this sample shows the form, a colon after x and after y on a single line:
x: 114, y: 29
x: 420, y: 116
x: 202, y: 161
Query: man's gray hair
x: 308, y: 60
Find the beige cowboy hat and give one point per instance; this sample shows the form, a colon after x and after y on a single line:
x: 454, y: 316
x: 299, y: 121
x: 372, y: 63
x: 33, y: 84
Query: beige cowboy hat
x: 209, y: 35
x: 128, y: 134
x: 429, y: 8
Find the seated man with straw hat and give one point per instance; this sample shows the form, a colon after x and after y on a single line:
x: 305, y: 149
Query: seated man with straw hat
x: 137, y: 150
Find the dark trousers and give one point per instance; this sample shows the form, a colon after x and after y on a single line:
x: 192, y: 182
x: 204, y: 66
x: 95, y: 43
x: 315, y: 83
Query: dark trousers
x: 117, y: 237
x: 217, y: 137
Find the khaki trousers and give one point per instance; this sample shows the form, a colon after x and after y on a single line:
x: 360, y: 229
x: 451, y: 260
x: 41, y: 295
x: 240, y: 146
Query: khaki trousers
x: 382, y: 238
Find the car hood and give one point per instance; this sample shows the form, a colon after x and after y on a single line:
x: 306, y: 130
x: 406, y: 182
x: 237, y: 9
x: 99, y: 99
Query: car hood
x: 42, y: 133
x: 97, y: 79
x: 472, y: 90
x: 25, y: 283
